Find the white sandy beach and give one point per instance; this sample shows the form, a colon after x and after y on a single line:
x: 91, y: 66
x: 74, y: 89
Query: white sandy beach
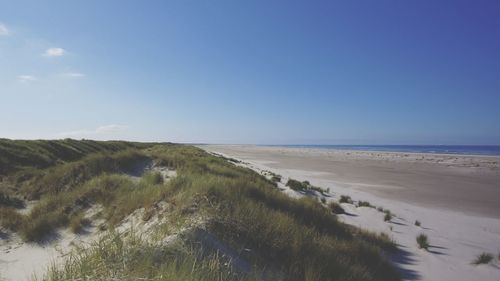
x: 456, y: 198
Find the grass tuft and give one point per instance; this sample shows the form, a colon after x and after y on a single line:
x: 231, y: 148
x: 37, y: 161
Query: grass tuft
x: 417, y: 223
x: 153, y: 178
x: 78, y: 223
x: 483, y: 258
x: 423, y: 241
x: 345, y: 199
x: 336, y: 208
x: 365, y: 204
x: 387, y: 217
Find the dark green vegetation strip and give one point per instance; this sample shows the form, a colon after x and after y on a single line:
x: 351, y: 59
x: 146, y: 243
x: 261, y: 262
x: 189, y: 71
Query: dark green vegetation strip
x: 16, y: 155
x: 281, y: 238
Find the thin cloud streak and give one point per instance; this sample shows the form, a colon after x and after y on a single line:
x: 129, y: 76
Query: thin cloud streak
x: 4, y: 31
x: 26, y: 78
x: 73, y: 75
x: 54, y: 52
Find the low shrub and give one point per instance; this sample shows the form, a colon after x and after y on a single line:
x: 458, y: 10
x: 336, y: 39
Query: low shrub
x: 387, y: 217
x: 10, y: 201
x: 78, y: 223
x: 336, y: 208
x: 297, y: 185
x: 483, y: 258
x: 153, y: 178
x: 423, y: 241
x: 345, y: 199
x: 276, y: 178
x: 365, y: 204
x: 11, y: 219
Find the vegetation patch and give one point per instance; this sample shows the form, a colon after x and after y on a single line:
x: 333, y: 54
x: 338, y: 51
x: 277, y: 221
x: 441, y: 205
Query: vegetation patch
x: 345, y: 199
x: 281, y: 237
x: 483, y: 258
x: 423, y: 241
x: 365, y: 204
x: 336, y: 208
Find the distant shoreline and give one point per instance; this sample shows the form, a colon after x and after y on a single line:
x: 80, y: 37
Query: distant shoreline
x: 453, y: 150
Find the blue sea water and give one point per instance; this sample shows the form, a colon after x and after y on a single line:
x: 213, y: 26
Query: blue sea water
x: 439, y: 149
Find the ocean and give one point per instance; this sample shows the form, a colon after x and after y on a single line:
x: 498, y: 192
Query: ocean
x: 493, y: 150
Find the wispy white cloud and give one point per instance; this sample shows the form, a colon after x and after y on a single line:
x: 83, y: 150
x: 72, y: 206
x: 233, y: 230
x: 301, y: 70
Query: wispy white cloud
x: 26, y: 78
x: 99, y: 132
x: 4, y: 31
x: 73, y: 74
x: 54, y: 52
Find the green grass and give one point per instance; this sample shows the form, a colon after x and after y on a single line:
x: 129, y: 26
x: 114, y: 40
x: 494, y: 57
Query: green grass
x: 365, y: 204
x: 483, y: 258
x: 78, y: 223
x: 291, y: 239
x: 297, y: 185
x: 336, y: 208
x: 387, y: 217
x: 276, y: 178
x: 7, y: 200
x: 131, y: 258
x: 16, y: 155
x: 423, y: 241
x: 153, y: 178
x: 345, y: 199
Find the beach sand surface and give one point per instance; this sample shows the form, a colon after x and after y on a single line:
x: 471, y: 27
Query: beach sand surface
x: 469, y: 184
x: 456, y: 199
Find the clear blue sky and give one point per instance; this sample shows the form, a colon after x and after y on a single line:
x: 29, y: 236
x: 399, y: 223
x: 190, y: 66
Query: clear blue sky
x: 291, y: 72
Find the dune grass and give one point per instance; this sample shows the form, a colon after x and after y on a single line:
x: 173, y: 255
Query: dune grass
x: 483, y: 258
x: 423, y: 241
x: 290, y: 239
x: 345, y: 199
x: 336, y: 208
x: 16, y: 155
x: 365, y: 204
x: 114, y: 257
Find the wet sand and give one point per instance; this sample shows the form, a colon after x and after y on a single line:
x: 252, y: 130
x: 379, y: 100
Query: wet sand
x: 468, y: 184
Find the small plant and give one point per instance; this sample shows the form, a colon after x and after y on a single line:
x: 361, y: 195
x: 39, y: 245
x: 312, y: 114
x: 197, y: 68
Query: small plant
x: 78, y: 223
x: 380, y: 209
x: 387, y: 217
x: 364, y: 204
x: 296, y: 185
x: 423, y: 241
x: 336, y: 208
x: 483, y: 258
x: 323, y: 200
x: 276, y: 178
x: 417, y: 223
x: 345, y: 199
x: 153, y: 178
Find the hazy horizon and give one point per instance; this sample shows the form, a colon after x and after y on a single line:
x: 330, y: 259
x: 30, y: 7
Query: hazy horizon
x: 260, y: 72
